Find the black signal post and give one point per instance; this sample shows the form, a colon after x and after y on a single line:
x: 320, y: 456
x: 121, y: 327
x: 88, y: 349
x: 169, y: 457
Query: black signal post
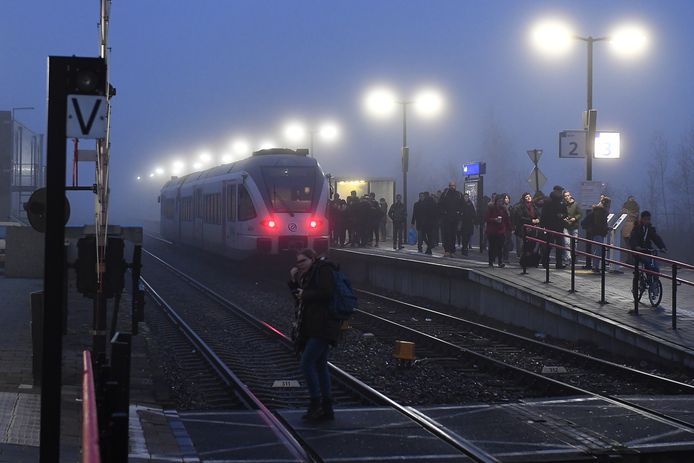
x: 66, y: 76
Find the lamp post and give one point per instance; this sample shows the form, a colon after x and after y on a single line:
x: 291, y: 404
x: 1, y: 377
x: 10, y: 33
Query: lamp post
x: 382, y: 102
x: 555, y: 37
x: 590, y: 121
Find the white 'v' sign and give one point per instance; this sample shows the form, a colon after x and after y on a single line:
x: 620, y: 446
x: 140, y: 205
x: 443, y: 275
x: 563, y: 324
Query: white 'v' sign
x: 86, y: 116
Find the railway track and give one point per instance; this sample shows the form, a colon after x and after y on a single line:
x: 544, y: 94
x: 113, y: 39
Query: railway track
x: 250, y: 355
x: 530, y: 360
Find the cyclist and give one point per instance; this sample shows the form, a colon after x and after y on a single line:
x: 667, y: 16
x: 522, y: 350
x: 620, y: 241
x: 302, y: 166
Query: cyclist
x: 642, y: 238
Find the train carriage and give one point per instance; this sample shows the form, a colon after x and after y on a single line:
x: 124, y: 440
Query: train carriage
x: 273, y: 201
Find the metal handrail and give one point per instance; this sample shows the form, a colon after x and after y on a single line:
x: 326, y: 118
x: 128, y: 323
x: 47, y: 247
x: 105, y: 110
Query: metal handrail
x: 675, y: 265
x: 90, y: 430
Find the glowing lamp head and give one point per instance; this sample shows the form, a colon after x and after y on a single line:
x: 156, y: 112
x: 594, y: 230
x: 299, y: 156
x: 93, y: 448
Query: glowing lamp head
x: 428, y: 103
x: 271, y: 223
x: 381, y: 102
x: 629, y: 40
x: 313, y: 224
x: 552, y: 37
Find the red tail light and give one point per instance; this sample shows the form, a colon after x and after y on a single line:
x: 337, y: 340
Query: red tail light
x: 269, y: 223
x: 313, y: 223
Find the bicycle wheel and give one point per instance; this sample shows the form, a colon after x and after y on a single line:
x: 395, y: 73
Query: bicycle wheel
x: 642, y: 287
x: 655, y: 292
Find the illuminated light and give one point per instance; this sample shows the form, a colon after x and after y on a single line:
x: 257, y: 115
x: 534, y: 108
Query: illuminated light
x: 607, y: 145
x: 352, y: 182
x: 313, y: 224
x: 329, y: 131
x: 266, y: 144
x: 552, y: 37
x: 205, y: 157
x: 159, y: 171
x: 428, y: 103
x: 139, y: 178
x: 269, y: 223
x: 227, y: 158
x: 241, y: 147
x: 629, y: 40
x: 177, y: 167
x: 151, y: 175
x: 295, y: 132
x: 381, y: 102
x: 197, y: 165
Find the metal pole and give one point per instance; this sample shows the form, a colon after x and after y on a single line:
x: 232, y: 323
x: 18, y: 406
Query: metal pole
x: 590, y: 145
x: 674, y: 296
x: 602, y: 275
x: 635, y: 286
x: 311, y: 133
x: 546, y: 259
x: 573, y: 265
x: 405, y: 156
x: 54, y: 268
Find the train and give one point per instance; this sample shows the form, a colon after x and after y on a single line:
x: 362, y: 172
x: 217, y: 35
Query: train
x: 274, y: 201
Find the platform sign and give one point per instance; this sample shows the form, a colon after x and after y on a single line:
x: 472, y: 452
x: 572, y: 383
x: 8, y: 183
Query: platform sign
x: 572, y: 144
x: 86, y: 116
x: 607, y: 145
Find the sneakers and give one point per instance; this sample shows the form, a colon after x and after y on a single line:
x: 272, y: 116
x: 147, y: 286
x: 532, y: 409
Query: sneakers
x: 502, y: 265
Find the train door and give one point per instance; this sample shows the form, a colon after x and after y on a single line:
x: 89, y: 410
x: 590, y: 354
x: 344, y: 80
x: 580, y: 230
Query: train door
x: 230, y: 229
x: 198, y: 217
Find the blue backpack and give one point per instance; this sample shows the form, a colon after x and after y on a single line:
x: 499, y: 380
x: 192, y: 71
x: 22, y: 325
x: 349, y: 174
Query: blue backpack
x: 343, y: 302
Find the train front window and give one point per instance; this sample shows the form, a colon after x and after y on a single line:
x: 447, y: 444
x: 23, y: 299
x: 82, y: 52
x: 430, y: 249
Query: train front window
x: 290, y: 189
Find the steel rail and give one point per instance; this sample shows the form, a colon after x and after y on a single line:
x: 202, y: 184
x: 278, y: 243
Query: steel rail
x: 605, y: 364
x: 644, y: 411
x: 342, y: 376
x: 228, y: 376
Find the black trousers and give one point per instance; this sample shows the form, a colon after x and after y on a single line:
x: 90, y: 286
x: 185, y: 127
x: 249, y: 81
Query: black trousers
x: 398, y: 234
x: 496, y: 248
x: 449, y: 230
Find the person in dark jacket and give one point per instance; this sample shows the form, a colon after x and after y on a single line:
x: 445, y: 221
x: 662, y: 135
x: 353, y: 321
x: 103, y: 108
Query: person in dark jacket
x: 552, y: 218
x: 398, y: 215
x: 498, y: 222
x: 527, y: 214
x: 383, y: 217
x: 451, y: 208
x: 642, y: 238
x: 418, y: 220
x: 598, y: 228
x: 467, y: 223
x: 311, y: 282
x: 428, y: 218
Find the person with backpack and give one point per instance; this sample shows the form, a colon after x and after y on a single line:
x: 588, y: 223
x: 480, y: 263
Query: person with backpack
x: 312, y: 282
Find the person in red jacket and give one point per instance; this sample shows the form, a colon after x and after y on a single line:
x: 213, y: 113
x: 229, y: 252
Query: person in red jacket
x: 498, y: 223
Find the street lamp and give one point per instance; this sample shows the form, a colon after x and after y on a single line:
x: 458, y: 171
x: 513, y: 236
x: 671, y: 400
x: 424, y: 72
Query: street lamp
x: 555, y: 37
x: 296, y: 132
x: 382, y: 102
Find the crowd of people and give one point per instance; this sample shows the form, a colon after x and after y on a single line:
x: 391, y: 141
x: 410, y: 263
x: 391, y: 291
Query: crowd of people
x: 449, y: 218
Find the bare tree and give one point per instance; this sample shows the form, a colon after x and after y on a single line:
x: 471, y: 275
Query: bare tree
x: 659, y: 170
x: 683, y: 181
x: 503, y: 173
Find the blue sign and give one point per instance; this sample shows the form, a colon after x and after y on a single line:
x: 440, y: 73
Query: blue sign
x: 475, y: 168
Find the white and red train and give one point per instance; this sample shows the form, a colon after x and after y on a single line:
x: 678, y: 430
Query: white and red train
x: 273, y: 201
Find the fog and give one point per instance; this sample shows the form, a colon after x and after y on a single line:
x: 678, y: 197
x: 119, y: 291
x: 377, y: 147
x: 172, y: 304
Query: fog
x: 191, y: 76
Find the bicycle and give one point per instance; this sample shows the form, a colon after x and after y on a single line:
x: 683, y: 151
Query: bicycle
x: 650, y: 282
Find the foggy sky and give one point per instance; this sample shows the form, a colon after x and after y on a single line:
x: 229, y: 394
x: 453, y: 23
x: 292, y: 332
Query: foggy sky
x: 194, y: 74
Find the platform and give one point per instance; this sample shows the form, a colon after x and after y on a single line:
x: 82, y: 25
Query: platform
x: 527, y: 301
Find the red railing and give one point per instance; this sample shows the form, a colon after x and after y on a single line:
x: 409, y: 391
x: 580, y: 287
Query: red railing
x: 90, y: 429
x: 543, y: 237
